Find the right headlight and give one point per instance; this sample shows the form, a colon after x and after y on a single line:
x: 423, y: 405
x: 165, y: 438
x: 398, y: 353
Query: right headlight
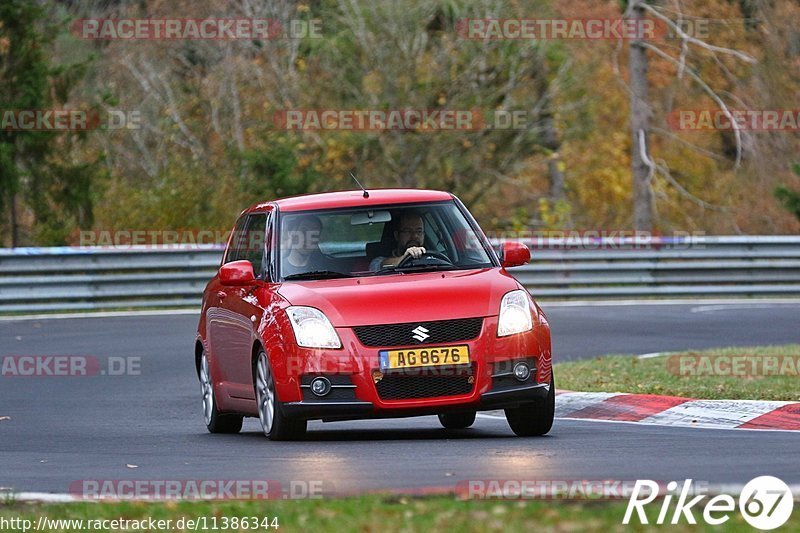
x: 515, y: 314
x: 312, y: 329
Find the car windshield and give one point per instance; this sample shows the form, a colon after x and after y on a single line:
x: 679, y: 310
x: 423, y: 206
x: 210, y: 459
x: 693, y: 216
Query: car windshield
x: 339, y: 243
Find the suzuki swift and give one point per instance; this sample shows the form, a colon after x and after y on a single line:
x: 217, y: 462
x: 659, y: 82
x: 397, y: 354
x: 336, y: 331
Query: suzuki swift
x: 370, y: 304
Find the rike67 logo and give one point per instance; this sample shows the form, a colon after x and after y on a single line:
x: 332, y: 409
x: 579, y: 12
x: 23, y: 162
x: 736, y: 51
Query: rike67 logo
x: 765, y: 503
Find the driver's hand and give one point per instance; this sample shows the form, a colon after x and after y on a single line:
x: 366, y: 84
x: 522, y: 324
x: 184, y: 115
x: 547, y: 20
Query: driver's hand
x: 415, y: 251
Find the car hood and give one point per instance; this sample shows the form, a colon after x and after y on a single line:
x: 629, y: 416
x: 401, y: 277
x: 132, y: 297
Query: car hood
x: 398, y: 298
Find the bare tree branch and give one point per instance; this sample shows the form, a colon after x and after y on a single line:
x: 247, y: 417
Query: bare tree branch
x: 688, y: 38
x: 714, y: 96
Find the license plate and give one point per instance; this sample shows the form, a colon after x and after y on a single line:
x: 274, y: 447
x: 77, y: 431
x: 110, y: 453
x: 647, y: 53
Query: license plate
x: 418, y: 357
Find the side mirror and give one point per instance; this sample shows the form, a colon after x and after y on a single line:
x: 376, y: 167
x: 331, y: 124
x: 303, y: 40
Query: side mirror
x: 237, y: 273
x: 515, y: 254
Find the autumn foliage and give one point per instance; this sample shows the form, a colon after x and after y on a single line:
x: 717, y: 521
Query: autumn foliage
x: 207, y: 142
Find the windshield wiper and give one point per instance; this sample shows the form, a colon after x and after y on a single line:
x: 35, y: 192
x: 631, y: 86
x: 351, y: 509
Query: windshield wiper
x: 318, y: 274
x: 415, y: 268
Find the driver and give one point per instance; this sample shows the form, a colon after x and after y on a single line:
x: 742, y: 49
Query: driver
x: 409, y: 236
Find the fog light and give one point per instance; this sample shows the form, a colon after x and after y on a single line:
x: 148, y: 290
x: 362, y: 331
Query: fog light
x: 320, y: 386
x: 522, y: 371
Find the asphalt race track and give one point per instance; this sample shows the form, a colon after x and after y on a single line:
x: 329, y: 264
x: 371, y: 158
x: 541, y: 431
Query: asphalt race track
x: 66, y: 429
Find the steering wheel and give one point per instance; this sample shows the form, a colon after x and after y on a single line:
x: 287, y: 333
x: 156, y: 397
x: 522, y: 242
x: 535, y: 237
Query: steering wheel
x: 435, y: 255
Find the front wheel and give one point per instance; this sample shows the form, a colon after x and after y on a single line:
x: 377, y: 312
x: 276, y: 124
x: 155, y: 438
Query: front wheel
x: 536, y: 418
x: 216, y: 422
x: 457, y: 420
x: 274, y: 423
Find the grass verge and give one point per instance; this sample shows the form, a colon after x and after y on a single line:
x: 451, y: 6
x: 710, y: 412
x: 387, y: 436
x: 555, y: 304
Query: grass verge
x: 376, y: 513
x: 726, y: 373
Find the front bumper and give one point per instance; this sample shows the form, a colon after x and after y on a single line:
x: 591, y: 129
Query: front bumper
x: 503, y: 399
x: 359, y: 393
x: 348, y: 410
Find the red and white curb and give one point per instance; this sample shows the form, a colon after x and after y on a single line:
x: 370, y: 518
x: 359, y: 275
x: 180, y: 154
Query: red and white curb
x: 675, y: 411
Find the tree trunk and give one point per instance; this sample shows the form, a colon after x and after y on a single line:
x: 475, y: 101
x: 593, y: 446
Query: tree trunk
x: 550, y: 137
x: 640, y: 119
x: 557, y: 187
x: 554, y: 163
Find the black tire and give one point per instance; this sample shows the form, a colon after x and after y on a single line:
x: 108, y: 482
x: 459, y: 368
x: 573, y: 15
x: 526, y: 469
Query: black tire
x: 216, y: 422
x: 457, y: 420
x: 536, y: 418
x: 276, y: 426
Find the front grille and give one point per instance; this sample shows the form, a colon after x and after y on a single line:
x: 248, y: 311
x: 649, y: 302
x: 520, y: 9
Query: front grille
x: 438, y: 332
x: 407, y: 386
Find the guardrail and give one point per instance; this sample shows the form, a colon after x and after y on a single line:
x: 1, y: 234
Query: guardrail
x: 664, y: 267
x: 75, y: 279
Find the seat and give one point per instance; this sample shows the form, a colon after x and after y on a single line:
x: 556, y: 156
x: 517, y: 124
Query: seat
x: 384, y: 247
x: 380, y: 248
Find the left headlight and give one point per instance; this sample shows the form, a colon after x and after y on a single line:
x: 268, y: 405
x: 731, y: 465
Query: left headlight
x: 515, y: 314
x: 312, y: 329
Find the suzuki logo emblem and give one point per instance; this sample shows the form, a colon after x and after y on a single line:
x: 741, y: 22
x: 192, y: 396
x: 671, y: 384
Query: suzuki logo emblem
x: 420, y: 333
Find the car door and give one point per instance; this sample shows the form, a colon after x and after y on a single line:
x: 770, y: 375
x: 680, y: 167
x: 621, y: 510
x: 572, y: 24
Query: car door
x: 244, y: 304
x: 230, y: 328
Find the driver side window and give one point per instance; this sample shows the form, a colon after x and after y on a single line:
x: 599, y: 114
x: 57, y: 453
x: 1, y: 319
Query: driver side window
x: 234, y: 249
x: 253, y: 242
x: 247, y: 242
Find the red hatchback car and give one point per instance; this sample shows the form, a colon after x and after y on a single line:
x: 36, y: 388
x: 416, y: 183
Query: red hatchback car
x: 354, y: 304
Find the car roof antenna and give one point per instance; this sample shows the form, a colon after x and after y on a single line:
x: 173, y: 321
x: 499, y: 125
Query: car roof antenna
x: 366, y: 194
